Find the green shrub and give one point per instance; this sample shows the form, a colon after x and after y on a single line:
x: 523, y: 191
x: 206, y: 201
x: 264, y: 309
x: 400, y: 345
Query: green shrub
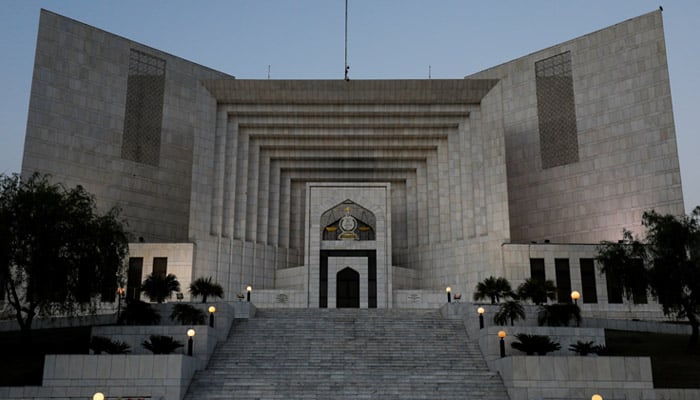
x: 159, y: 344
x: 159, y: 287
x: 537, y: 290
x: 187, y: 314
x: 205, y: 287
x: 602, y: 350
x: 583, y: 348
x: 138, y: 312
x: 100, y: 344
x: 531, y: 344
x: 560, y: 314
x: 494, y: 289
x: 511, y: 311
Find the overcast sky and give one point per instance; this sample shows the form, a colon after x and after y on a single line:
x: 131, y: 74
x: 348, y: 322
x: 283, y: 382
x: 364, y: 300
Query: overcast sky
x: 396, y: 39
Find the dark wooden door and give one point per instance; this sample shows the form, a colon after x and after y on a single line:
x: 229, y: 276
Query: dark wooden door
x: 347, y: 289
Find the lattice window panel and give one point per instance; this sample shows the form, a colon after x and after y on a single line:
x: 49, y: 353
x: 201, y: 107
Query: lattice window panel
x: 556, y: 111
x: 143, y: 117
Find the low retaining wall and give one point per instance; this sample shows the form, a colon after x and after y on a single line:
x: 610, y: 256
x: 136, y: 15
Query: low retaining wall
x: 552, y: 377
x: 125, y: 376
x: 490, y: 343
x: 61, y: 322
x: 419, y: 299
x: 638, y: 326
x: 203, y: 342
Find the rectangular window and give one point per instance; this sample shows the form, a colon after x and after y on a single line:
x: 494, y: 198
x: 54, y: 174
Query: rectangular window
x: 639, y: 290
x: 537, y: 269
x: 133, y: 283
x: 614, y: 288
x: 590, y: 293
x: 561, y: 268
x: 160, y: 266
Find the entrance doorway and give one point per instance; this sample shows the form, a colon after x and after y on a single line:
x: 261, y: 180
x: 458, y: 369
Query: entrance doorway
x: 348, y: 289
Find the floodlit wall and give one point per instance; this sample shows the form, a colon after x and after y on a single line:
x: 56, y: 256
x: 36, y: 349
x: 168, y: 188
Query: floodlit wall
x: 118, y: 118
x: 590, y: 136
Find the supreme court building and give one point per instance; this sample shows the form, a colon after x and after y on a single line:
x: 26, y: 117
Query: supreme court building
x: 364, y: 193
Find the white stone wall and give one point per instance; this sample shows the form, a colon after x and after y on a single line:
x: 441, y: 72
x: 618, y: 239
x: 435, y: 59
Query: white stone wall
x: 552, y: 377
x: 516, y: 261
x: 180, y: 261
x: 628, y: 161
x: 321, y: 197
x: 116, y: 376
x: 76, y: 121
x: 461, y: 156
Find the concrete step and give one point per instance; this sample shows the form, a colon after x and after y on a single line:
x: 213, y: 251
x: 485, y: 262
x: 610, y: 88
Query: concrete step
x: 347, y: 354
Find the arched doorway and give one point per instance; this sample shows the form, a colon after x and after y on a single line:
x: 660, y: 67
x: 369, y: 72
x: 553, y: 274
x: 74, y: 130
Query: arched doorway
x: 348, y: 289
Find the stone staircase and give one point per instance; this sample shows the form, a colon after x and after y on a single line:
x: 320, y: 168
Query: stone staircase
x: 347, y: 354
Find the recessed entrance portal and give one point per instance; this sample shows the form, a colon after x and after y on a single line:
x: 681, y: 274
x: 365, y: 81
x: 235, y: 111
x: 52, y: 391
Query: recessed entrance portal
x: 348, y: 289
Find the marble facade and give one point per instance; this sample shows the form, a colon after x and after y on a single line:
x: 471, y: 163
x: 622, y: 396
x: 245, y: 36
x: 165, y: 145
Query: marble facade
x: 566, y: 145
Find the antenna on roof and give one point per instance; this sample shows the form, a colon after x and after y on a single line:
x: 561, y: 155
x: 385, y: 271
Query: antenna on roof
x: 347, y: 67
x: 430, y: 67
x: 268, y: 71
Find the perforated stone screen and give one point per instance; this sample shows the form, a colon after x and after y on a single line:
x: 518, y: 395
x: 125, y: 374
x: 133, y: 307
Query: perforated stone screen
x: 556, y: 111
x: 143, y: 116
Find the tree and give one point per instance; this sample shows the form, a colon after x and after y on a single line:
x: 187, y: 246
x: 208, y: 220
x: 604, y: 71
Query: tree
x: 623, y: 263
x: 139, y: 312
x: 187, y: 314
x: 560, y: 314
x: 58, y: 254
x: 160, y: 344
x: 537, y: 290
x: 670, y: 267
x: 494, y: 289
x: 531, y: 344
x: 205, y: 287
x: 159, y: 287
x: 511, y: 311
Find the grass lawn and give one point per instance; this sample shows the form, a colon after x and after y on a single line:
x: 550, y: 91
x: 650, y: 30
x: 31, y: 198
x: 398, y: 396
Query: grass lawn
x: 23, y: 365
x: 673, y: 366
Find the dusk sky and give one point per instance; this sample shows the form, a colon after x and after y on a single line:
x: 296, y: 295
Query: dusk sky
x: 396, y: 39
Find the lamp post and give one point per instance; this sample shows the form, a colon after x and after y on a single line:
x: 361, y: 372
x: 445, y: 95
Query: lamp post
x: 120, y: 294
x: 212, y: 310
x: 481, y: 310
x: 575, y: 296
x: 502, y: 335
x: 248, y: 289
x: 596, y: 397
x: 98, y: 396
x: 190, y: 334
x: 449, y: 294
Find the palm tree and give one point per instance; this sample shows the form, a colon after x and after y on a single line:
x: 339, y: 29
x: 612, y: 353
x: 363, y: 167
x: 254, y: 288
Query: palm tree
x: 187, y: 314
x: 493, y: 288
x: 159, y: 344
x: 205, y: 287
x: 158, y: 287
x: 510, y: 310
x: 537, y: 290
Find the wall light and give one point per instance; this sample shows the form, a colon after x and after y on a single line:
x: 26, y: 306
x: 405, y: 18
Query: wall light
x: 212, y: 310
x: 502, y: 335
x: 575, y: 296
x: 190, y: 335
